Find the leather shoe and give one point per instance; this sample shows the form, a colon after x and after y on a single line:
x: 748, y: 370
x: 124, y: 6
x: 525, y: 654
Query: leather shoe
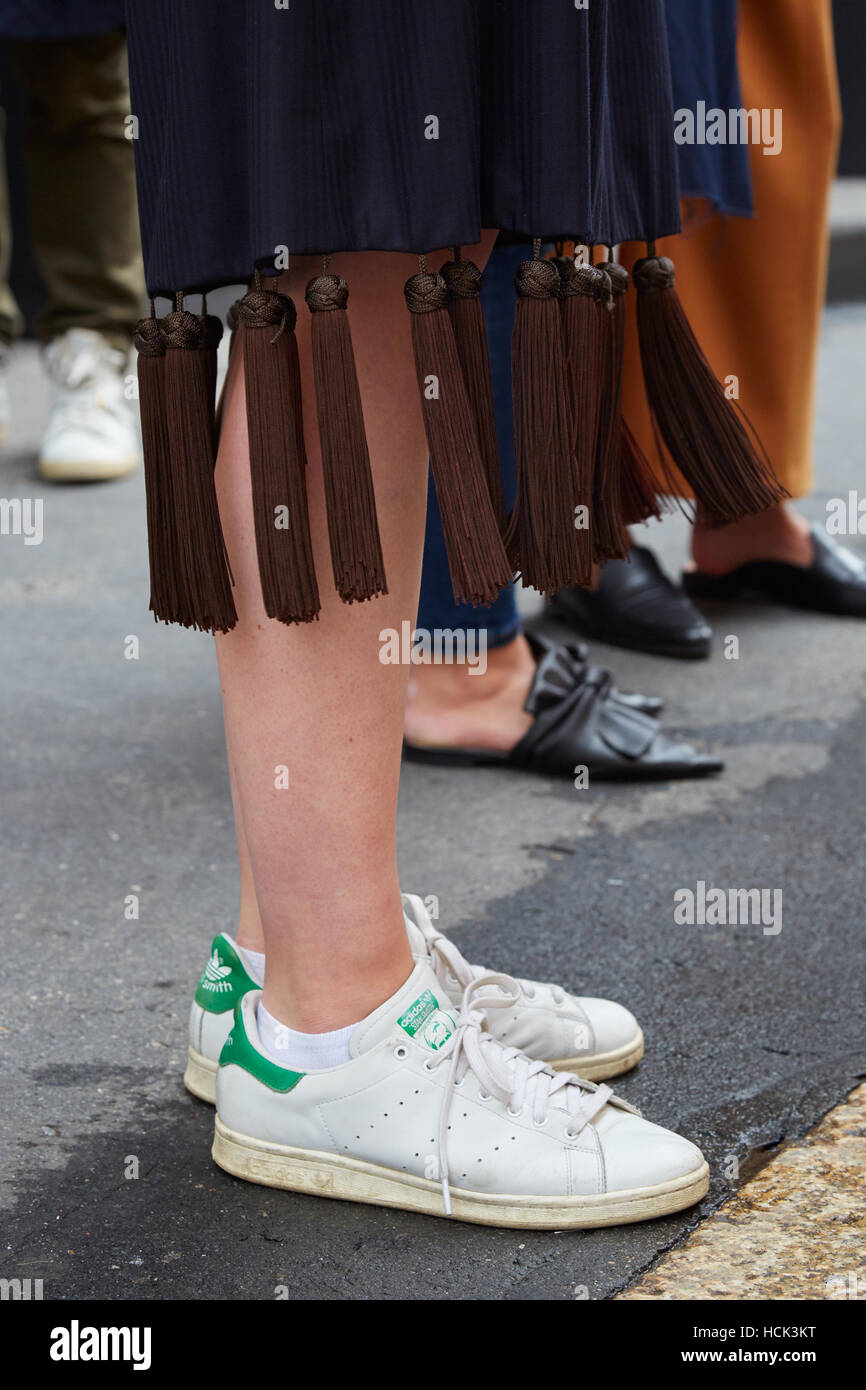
x: 835, y: 582
x: 638, y: 607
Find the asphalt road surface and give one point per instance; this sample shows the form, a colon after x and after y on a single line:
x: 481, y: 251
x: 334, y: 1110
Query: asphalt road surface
x: 114, y: 782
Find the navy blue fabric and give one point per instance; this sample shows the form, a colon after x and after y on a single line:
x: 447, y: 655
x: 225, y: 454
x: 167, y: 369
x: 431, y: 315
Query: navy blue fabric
x: 305, y: 127
x: 437, y: 608
x: 59, y: 19
x: 702, y: 36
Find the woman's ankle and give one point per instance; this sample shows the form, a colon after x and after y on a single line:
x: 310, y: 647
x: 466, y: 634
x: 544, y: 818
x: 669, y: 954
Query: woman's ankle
x: 336, y: 953
x: 455, y: 706
x: 346, y: 997
x: 454, y: 683
x: 776, y: 534
x: 250, y: 934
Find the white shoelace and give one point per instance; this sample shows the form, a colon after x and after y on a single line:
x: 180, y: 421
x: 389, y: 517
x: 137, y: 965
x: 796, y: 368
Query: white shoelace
x: 446, y: 958
x: 505, y: 1072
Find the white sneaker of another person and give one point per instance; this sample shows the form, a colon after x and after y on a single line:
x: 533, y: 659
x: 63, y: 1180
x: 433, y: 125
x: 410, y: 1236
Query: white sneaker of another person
x: 92, y: 433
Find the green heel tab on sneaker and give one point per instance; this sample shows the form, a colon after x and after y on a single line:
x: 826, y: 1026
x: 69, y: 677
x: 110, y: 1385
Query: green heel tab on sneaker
x: 224, y: 980
x: 238, y: 1051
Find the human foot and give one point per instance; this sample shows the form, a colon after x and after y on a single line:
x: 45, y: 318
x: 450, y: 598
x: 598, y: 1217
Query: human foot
x: 580, y: 725
x: 775, y: 534
x: 595, y: 1037
x: 464, y: 706
x: 91, y: 434
x: 458, y: 707
x: 834, y: 581
x: 433, y: 1114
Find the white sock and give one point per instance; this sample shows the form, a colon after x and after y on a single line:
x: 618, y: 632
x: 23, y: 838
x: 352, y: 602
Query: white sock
x: 254, y: 962
x: 302, y: 1051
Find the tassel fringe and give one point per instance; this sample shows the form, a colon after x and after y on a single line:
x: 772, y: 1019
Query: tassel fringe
x: 266, y: 323
x: 194, y: 587
x: 706, y: 436
x: 585, y: 298
x: 162, y: 542
x: 544, y: 541
x: 611, y: 538
x: 353, y: 529
x: 639, y: 490
x: 476, y: 557
x: 463, y: 279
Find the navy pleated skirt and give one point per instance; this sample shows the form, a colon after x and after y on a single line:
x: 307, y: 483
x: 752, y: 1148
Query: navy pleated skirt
x: 404, y: 125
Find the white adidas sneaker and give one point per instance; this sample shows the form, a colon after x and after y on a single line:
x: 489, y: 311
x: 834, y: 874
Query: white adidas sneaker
x: 595, y: 1037
x: 91, y: 434
x: 433, y: 1114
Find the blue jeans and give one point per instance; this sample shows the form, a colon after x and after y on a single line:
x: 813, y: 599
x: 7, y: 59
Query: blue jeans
x: 437, y: 608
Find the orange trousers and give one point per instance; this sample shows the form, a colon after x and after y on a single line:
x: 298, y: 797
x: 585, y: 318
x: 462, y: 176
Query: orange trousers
x: 753, y: 288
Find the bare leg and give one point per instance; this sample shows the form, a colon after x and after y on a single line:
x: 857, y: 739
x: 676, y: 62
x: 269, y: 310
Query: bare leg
x: 316, y: 699
x: 250, y: 933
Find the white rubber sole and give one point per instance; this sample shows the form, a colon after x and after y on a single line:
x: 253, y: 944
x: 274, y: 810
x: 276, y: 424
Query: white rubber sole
x: 603, y: 1065
x: 201, y: 1073
x: 353, y: 1180
x: 86, y: 470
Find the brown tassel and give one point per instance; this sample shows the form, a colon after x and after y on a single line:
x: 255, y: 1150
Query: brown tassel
x: 162, y: 541
x: 463, y: 279
x: 611, y: 538
x: 476, y: 556
x: 730, y: 475
x: 549, y: 548
x: 638, y: 487
x: 585, y: 294
x: 198, y: 592
x: 266, y: 323
x: 353, y: 529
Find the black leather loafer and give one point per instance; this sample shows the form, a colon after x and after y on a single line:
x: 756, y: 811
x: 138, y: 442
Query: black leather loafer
x: 835, y: 582
x: 636, y: 606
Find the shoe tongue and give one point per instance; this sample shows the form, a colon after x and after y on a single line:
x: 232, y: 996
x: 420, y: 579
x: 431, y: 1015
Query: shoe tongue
x: 418, y: 944
x: 419, y: 1013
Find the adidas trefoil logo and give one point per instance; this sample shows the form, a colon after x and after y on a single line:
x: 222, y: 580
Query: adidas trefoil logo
x: 214, y: 977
